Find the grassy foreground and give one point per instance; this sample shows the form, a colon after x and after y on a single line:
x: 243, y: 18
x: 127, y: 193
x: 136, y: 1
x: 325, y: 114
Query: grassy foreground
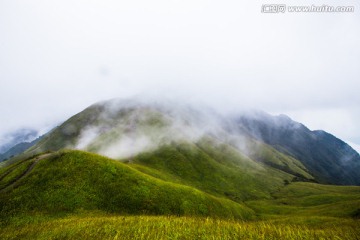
x: 162, y: 227
x: 79, y: 195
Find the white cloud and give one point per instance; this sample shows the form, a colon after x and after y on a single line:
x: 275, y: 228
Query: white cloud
x: 56, y: 58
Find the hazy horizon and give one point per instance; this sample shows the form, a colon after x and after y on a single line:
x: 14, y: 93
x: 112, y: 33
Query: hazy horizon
x: 57, y: 58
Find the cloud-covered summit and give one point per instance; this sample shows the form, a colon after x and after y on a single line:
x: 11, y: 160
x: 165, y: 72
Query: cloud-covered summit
x: 124, y: 128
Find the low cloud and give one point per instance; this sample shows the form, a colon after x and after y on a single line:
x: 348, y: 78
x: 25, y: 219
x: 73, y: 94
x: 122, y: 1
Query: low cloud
x: 128, y: 127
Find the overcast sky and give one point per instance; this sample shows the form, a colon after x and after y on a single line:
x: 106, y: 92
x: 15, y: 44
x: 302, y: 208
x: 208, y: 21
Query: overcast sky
x: 58, y: 57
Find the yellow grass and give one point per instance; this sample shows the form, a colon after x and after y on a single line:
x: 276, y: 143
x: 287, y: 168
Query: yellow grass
x: 162, y: 227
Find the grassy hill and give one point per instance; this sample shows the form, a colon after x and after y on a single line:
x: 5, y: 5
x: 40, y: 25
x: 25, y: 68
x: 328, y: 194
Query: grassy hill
x: 74, y: 181
x: 74, y: 194
x: 212, y: 169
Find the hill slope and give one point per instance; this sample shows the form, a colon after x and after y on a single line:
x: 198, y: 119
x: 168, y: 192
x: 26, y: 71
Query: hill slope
x: 212, y: 170
x: 10, y: 139
x: 74, y: 194
x: 18, y: 149
x: 328, y: 158
x: 74, y: 181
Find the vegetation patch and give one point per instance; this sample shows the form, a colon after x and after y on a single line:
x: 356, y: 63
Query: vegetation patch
x: 165, y: 227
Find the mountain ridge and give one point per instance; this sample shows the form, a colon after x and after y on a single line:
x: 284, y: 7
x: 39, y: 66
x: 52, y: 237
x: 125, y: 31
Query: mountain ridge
x: 124, y: 128
x: 329, y: 158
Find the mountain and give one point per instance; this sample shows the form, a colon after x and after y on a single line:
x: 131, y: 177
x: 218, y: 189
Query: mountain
x: 329, y: 159
x: 136, y: 163
x: 15, y: 150
x: 18, y: 149
x: 9, y: 140
x: 124, y: 128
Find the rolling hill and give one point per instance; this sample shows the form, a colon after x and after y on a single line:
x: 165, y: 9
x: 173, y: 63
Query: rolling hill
x: 73, y: 194
x: 73, y: 181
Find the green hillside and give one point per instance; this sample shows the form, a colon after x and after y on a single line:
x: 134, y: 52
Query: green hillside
x: 74, y: 194
x: 180, y: 179
x: 221, y: 171
x: 301, y: 201
x: 329, y: 159
x: 70, y: 182
x: 66, y: 135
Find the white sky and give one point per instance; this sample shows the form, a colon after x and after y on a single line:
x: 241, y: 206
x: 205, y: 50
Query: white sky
x: 58, y: 57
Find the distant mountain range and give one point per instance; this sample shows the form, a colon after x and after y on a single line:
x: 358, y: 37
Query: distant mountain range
x: 10, y: 139
x: 17, y: 142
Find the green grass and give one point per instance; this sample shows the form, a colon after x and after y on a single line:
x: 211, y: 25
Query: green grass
x: 176, y: 179
x: 311, y: 199
x: 69, y: 182
x: 268, y: 155
x: 177, y: 192
x: 213, y: 170
x: 162, y: 227
x: 66, y: 135
x: 303, y: 189
x: 7, y: 166
x: 14, y: 173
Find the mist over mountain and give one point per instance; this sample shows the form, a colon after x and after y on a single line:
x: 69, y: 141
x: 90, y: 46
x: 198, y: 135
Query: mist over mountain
x: 128, y: 157
x: 122, y: 129
x: 10, y: 139
x: 330, y: 159
x: 18, y: 149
